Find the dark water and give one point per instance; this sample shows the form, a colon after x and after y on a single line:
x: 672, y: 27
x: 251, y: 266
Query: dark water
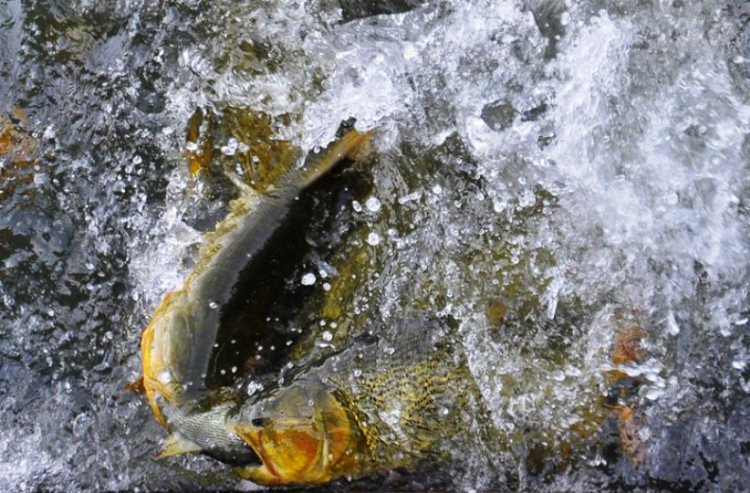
x: 563, y: 160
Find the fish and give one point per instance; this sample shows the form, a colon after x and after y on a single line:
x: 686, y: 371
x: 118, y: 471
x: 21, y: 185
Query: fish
x: 410, y: 404
x: 370, y: 409
x: 177, y: 343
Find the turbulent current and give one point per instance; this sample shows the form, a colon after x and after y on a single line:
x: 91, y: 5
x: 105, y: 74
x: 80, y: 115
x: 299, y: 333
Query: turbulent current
x: 545, y: 175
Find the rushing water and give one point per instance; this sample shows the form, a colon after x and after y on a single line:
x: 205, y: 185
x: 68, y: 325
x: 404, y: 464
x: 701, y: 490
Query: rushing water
x: 540, y: 166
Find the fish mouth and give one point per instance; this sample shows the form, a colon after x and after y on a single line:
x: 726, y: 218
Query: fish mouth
x: 257, y: 471
x: 240, y: 455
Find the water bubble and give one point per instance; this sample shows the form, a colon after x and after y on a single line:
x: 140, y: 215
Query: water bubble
x: 672, y: 326
x: 308, y: 279
x: 327, y: 336
x: 437, y: 189
x: 326, y: 287
x: 373, y: 204
x: 654, y: 393
x: 231, y: 148
x: 254, y: 387
x: 165, y: 377
x: 373, y: 239
x: 410, y: 197
x: 356, y: 206
x: 213, y: 305
x: 527, y: 199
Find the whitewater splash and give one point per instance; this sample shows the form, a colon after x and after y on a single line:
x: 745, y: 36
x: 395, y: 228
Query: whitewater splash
x: 541, y: 166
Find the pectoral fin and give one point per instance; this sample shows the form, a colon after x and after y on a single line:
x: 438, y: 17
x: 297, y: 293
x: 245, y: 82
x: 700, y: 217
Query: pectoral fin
x: 176, y: 444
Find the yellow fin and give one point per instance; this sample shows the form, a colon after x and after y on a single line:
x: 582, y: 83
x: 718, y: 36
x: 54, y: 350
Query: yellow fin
x: 346, y: 147
x: 136, y: 386
x: 176, y: 444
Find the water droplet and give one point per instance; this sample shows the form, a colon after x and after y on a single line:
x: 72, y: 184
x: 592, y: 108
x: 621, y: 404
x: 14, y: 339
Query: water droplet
x: 672, y: 326
x: 654, y: 393
x: 165, y: 377
x: 213, y: 305
x: 356, y: 206
x: 327, y: 336
x: 326, y: 287
x: 253, y: 387
x: 373, y: 239
x: 373, y: 204
x: 410, y: 197
x: 231, y: 147
x: 308, y: 279
x: 437, y: 189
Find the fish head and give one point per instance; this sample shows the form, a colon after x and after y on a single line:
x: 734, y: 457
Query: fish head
x: 302, y: 434
x: 163, y: 343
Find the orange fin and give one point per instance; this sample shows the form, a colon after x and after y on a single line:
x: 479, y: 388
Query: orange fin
x: 135, y: 386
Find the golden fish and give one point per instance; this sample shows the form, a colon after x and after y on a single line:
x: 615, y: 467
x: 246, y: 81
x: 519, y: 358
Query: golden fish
x: 176, y: 345
x: 363, y: 412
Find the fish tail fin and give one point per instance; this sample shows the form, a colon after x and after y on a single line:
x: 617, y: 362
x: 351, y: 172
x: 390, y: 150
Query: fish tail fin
x: 350, y: 146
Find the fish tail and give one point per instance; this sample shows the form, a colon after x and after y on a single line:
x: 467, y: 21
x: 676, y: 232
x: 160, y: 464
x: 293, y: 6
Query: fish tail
x: 347, y: 147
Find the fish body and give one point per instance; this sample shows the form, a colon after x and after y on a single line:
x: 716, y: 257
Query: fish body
x: 177, y: 344
x: 363, y: 412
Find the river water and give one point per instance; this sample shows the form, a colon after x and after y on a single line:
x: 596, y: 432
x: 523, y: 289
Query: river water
x: 543, y: 170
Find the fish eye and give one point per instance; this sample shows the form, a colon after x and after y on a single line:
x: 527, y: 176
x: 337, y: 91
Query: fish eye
x: 259, y: 422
